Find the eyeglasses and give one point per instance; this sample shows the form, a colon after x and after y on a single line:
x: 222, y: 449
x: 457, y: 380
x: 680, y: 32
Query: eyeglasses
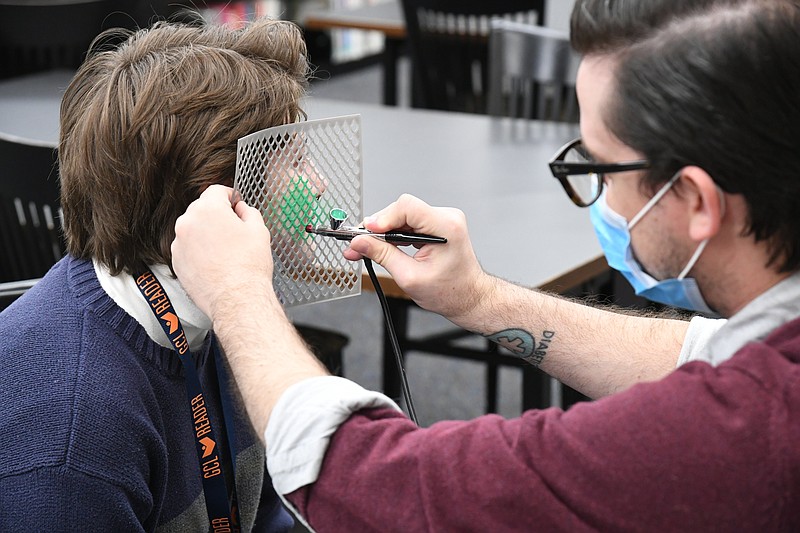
x: 581, y: 177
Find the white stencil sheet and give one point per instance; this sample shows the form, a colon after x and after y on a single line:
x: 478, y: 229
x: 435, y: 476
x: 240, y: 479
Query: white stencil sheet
x: 296, y: 175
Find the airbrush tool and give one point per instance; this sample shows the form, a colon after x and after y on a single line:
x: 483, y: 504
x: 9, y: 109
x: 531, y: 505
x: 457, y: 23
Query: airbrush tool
x: 340, y: 232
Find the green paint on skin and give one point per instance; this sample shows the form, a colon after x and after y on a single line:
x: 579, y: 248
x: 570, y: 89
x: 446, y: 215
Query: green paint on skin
x: 299, y: 207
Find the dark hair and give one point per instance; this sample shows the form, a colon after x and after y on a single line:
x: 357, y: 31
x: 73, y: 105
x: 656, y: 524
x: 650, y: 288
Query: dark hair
x: 720, y: 90
x: 147, y: 125
x: 603, y: 26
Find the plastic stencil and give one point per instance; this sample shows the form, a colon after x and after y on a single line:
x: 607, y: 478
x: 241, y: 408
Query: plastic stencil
x: 297, y: 174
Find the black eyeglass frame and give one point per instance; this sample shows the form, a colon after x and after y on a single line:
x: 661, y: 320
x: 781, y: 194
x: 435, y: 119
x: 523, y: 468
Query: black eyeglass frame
x: 562, y: 169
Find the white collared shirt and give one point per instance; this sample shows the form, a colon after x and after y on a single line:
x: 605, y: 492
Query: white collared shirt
x: 123, y: 290
x: 715, y: 341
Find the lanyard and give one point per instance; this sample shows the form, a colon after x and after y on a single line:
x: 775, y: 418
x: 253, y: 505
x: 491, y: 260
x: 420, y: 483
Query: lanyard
x: 222, y: 508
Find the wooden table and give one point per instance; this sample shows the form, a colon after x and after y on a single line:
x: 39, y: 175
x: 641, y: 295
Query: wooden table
x: 385, y: 17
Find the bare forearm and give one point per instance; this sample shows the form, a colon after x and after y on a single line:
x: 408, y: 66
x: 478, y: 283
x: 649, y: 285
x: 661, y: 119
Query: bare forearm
x: 265, y: 353
x: 595, y: 351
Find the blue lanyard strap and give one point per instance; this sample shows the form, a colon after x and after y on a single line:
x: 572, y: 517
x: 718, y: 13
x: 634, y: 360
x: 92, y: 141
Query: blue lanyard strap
x: 223, y: 511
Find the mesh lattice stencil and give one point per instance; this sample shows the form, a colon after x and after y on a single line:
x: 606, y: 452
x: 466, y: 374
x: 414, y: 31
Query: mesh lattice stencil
x: 296, y: 175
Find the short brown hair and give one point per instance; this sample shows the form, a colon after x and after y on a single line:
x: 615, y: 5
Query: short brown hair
x: 149, y: 124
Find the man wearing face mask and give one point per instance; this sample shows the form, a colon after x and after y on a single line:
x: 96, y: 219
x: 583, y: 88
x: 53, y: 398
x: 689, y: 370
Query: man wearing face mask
x: 613, y: 230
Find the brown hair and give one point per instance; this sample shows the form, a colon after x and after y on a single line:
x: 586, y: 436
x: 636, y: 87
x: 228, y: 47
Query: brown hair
x: 148, y: 125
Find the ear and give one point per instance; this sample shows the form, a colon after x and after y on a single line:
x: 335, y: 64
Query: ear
x: 706, y: 202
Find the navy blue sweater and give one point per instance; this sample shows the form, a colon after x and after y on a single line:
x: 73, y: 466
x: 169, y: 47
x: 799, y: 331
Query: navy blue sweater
x: 95, y: 427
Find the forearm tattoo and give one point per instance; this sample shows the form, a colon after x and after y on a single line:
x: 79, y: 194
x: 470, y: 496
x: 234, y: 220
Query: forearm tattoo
x: 523, y: 344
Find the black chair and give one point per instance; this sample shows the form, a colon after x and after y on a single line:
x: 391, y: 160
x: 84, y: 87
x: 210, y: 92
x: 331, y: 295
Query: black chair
x: 38, y: 36
x: 449, y: 48
x: 11, y: 290
x: 327, y: 345
x: 532, y: 72
x: 30, y: 225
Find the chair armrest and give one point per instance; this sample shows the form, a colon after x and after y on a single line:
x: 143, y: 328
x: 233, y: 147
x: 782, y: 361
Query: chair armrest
x: 11, y: 289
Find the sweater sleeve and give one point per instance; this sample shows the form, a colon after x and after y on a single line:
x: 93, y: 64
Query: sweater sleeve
x: 62, y: 499
x: 694, y: 452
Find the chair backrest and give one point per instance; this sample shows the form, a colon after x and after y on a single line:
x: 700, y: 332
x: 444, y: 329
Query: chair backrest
x: 449, y: 48
x: 30, y: 224
x: 531, y: 72
x: 37, y: 36
x: 11, y: 290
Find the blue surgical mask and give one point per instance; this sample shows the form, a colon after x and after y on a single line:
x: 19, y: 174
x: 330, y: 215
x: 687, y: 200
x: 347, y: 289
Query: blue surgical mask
x: 613, y: 231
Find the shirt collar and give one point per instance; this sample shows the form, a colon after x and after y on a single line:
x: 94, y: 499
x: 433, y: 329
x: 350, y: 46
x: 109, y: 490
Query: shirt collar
x: 771, y: 309
x: 123, y: 290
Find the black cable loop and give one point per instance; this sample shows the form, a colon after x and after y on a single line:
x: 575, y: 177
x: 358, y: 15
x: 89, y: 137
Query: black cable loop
x: 398, y: 356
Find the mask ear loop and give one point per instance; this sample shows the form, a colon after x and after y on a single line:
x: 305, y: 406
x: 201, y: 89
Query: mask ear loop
x: 702, y: 245
x: 654, y: 200
x: 693, y: 259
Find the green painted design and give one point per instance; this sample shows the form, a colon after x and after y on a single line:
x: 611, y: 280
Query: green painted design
x: 299, y: 207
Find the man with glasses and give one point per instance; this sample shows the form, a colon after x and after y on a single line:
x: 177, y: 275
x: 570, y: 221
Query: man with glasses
x: 689, y: 162
x: 583, y: 180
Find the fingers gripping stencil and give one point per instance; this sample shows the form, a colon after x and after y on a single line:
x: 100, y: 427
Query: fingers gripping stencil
x: 297, y: 175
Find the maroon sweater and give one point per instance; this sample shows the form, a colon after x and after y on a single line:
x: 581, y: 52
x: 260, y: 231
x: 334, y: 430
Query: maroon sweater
x: 705, y: 449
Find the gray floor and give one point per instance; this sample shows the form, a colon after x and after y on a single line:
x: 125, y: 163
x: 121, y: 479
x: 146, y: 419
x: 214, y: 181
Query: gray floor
x: 441, y: 387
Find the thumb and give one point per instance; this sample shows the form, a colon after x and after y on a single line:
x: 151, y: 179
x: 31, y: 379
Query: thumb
x: 394, y: 260
x: 248, y: 214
